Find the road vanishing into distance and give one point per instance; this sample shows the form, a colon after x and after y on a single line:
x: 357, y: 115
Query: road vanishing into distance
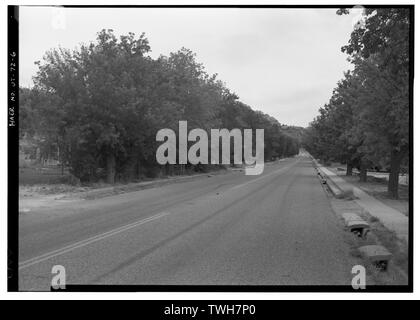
x: 226, y: 229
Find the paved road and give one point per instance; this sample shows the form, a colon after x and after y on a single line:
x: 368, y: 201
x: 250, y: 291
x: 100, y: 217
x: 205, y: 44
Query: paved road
x: 274, y: 229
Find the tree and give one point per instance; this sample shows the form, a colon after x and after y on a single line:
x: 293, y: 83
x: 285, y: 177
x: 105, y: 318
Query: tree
x: 380, y: 51
x: 101, y: 88
x: 366, y: 120
x: 104, y: 103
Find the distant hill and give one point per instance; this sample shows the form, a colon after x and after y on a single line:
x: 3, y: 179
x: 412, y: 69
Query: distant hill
x: 293, y: 131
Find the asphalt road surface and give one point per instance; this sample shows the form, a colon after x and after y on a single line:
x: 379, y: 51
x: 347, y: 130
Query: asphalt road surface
x: 273, y: 229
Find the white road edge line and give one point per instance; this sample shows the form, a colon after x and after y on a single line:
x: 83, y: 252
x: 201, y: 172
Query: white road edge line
x: 52, y: 254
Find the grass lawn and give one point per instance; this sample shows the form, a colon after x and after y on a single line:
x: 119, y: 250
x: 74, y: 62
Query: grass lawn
x: 376, y: 187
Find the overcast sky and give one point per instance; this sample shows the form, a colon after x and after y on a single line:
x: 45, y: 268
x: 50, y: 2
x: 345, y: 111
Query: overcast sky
x: 284, y: 62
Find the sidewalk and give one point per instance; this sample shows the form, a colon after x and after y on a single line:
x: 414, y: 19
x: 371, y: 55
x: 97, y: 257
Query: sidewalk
x: 392, y: 219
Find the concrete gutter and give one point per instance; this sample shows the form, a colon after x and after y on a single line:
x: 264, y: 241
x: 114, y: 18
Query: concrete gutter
x: 392, y: 219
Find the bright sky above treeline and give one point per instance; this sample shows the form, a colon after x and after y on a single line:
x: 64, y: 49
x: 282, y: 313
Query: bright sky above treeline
x: 284, y: 62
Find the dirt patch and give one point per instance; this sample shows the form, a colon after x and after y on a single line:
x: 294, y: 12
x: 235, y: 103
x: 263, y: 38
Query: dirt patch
x: 26, y: 191
x: 32, y: 197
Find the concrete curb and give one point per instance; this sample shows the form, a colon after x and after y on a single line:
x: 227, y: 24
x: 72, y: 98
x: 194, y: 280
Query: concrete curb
x: 391, y: 219
x: 335, y: 190
x: 377, y: 254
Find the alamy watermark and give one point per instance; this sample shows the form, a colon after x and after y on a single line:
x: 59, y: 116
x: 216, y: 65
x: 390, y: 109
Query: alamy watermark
x: 58, y: 280
x: 243, y: 149
x: 358, y: 282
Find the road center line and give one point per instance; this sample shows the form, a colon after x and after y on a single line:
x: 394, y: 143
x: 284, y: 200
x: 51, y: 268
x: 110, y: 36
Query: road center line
x: 80, y: 244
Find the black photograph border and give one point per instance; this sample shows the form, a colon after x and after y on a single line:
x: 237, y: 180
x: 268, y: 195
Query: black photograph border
x: 13, y: 169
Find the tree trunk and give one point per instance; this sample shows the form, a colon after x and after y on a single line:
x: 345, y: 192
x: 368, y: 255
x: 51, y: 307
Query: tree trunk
x: 60, y: 159
x: 394, y: 174
x: 130, y: 172
x: 363, y: 172
x: 110, y: 168
x: 138, y: 170
x: 349, y: 171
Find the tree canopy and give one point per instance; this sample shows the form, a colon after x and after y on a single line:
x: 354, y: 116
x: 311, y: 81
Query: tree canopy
x: 366, y: 122
x: 103, y: 103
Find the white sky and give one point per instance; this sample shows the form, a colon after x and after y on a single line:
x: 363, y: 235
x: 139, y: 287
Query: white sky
x: 284, y: 62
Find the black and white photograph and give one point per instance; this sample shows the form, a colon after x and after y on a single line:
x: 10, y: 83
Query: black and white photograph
x: 188, y: 148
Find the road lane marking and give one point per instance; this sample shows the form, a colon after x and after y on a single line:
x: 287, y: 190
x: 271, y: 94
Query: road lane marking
x: 264, y: 176
x: 80, y: 244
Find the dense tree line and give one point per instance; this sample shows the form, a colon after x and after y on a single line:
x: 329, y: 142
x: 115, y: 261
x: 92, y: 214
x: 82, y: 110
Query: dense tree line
x: 366, y: 122
x: 102, y: 104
